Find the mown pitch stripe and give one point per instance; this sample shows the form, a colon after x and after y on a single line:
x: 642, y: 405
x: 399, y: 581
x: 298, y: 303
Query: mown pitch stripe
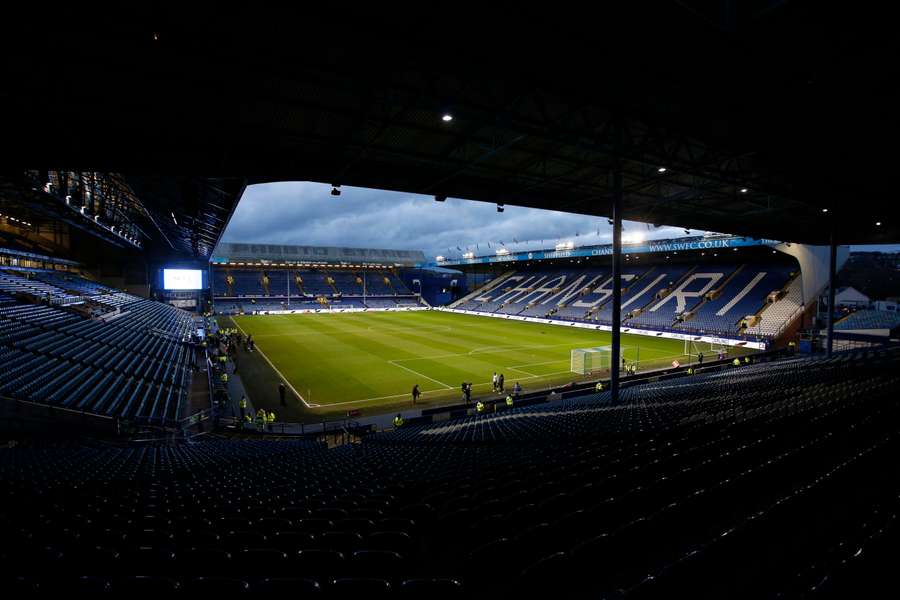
x: 449, y: 387
x: 441, y: 346
x: 487, y: 383
x: 274, y: 368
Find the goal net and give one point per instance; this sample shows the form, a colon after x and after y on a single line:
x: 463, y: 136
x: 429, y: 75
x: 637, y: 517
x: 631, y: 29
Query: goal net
x: 589, y: 360
x: 709, y: 349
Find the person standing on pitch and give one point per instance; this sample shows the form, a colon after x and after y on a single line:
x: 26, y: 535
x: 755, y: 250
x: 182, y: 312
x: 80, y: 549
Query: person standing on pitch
x: 281, y: 392
x: 416, y: 393
x: 494, y: 381
x: 500, y: 383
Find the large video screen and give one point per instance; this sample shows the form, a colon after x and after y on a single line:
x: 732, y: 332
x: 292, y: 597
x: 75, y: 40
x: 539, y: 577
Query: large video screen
x: 182, y: 279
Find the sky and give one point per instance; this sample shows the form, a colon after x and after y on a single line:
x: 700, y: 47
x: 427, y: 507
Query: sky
x: 305, y: 213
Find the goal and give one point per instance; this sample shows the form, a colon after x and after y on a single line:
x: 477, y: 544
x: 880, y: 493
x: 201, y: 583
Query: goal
x: 709, y: 349
x: 589, y: 360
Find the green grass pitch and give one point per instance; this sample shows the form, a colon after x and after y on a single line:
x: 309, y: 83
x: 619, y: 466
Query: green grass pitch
x: 370, y: 361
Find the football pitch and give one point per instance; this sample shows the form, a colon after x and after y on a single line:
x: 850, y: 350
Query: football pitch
x: 371, y: 360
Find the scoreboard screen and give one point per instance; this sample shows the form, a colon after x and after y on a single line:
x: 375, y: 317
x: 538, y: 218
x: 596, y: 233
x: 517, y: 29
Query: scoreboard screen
x: 182, y: 279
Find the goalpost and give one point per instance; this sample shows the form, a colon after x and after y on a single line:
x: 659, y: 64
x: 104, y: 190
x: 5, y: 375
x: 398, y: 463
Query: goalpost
x: 585, y: 361
x: 709, y: 349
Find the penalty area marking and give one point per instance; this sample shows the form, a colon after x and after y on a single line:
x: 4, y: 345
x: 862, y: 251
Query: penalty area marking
x: 521, y: 371
x: 449, y: 387
x: 485, y: 350
x: 423, y: 393
x: 283, y: 378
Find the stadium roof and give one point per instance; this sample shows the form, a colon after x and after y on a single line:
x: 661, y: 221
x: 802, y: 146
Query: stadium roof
x: 165, y: 215
x: 665, y: 246
x: 785, y: 100
x: 283, y: 255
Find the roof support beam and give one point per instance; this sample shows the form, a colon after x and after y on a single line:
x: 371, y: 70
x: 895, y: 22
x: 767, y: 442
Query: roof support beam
x: 832, y: 282
x: 616, y: 274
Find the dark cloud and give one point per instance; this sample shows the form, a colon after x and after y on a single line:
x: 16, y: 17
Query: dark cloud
x: 306, y: 213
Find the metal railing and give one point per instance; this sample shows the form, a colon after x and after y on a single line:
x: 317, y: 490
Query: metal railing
x: 341, y: 427
x: 16, y: 409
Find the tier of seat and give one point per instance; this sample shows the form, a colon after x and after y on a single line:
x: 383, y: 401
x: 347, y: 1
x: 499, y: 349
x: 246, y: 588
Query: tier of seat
x: 249, y: 282
x: 717, y: 296
x: 869, y: 319
x: 759, y: 481
x: 135, y: 366
x: 230, y: 306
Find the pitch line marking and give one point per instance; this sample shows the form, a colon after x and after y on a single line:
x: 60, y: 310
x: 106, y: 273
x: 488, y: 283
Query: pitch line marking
x: 407, y: 395
x: 521, y: 371
x: 395, y: 361
x: 539, y: 364
x: 283, y: 378
x: 471, y: 352
x: 421, y: 375
x: 402, y: 329
x: 365, y: 400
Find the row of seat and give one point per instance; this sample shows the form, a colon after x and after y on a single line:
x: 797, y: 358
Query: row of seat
x: 716, y: 297
x: 368, y: 587
x: 244, y: 282
x: 136, y: 365
x: 758, y: 481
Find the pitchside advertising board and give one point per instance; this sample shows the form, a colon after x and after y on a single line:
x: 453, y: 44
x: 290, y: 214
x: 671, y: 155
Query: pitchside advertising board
x: 755, y: 344
x: 686, y: 244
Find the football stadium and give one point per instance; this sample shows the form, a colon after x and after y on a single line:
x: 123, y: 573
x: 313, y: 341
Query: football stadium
x: 370, y: 306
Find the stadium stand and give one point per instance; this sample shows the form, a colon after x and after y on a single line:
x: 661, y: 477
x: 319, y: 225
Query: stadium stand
x: 70, y: 283
x: 751, y: 476
x: 589, y: 304
x: 377, y: 285
x: 775, y: 314
x: 247, y: 283
x: 315, y: 283
x: 716, y: 486
x: 220, y: 285
x: 345, y: 282
x: 655, y: 291
x: 869, y: 319
x: 735, y: 299
x: 134, y: 365
x: 685, y: 297
x: 338, y: 288
x: 23, y: 282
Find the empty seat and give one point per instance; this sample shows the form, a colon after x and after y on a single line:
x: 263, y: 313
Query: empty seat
x: 319, y: 563
x: 289, y: 586
x: 375, y: 563
x: 217, y: 585
x: 365, y: 587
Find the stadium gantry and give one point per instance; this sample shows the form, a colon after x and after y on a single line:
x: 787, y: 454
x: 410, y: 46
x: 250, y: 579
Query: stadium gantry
x: 678, y: 418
